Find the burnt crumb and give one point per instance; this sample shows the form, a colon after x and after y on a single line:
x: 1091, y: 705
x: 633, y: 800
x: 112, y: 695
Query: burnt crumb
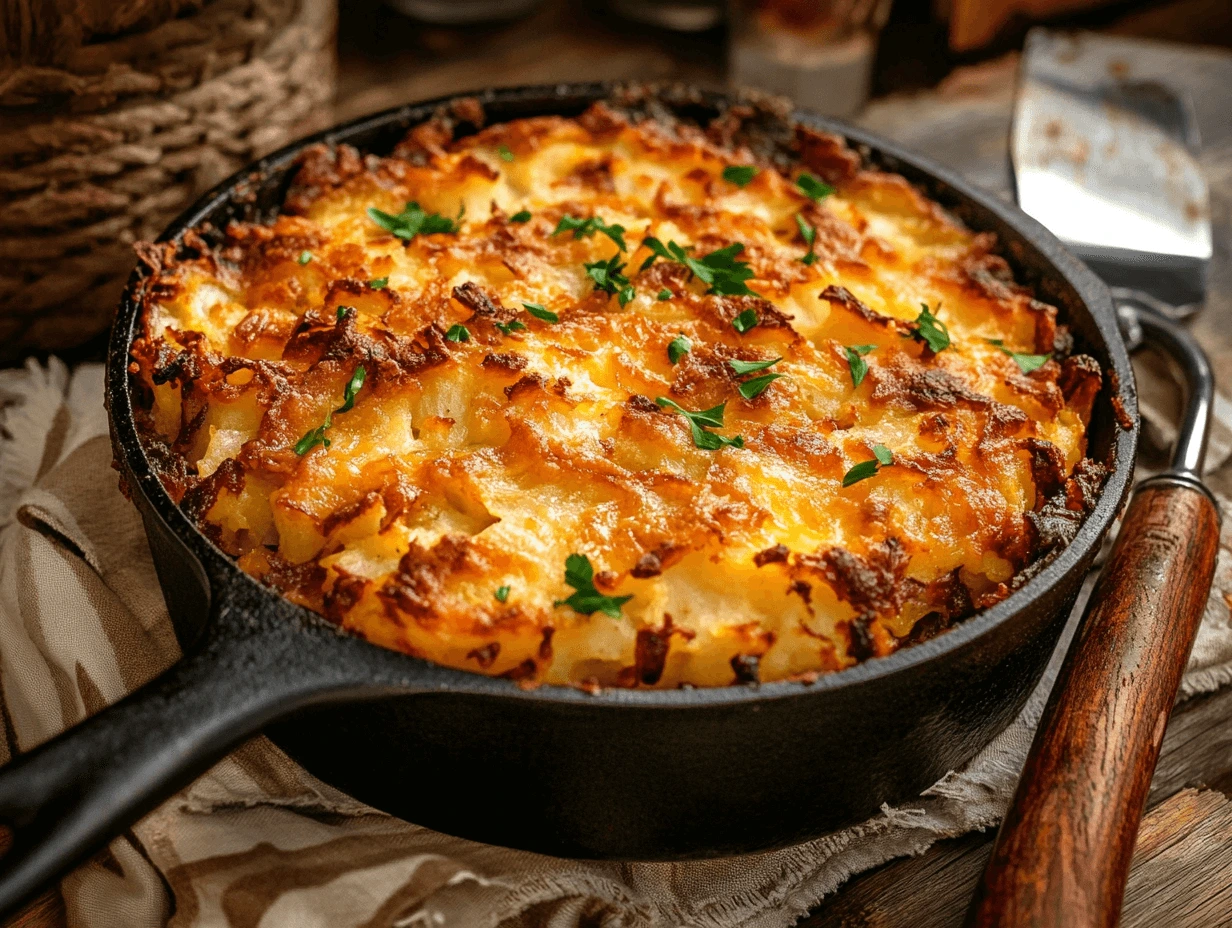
x: 508, y: 361
x: 1047, y: 467
x: 930, y: 626
x: 774, y: 555
x: 803, y: 589
x: 648, y: 565
x: 747, y: 668
x: 1056, y: 523
x: 639, y: 403
x: 523, y: 672
x: 201, y: 498
x: 650, y: 654
x: 486, y: 656
x: 861, y: 646
x: 475, y: 298
x: 872, y: 584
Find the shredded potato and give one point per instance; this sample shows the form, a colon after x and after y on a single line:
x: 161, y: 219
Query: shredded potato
x: 485, y: 443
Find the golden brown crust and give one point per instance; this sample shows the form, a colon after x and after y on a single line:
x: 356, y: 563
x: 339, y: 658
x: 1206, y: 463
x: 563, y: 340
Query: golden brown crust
x: 439, y: 517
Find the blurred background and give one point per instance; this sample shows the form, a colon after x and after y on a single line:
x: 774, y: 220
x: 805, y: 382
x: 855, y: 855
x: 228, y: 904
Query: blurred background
x: 115, y: 116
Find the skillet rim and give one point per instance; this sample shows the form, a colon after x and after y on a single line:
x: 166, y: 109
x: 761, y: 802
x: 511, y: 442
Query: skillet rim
x: 224, y: 574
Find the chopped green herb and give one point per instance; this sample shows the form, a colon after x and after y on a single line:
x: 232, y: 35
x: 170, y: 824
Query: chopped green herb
x: 317, y: 436
x: 882, y: 457
x: 677, y: 348
x: 859, y: 367
x: 739, y: 174
x: 522, y: 215
x: 931, y: 330
x: 501, y: 594
x: 540, y: 312
x: 343, y: 310
x: 586, y: 599
x: 304, y: 257
x: 505, y: 153
x: 665, y: 294
x: 588, y: 227
x: 809, y: 234
x: 379, y: 283
x: 713, y: 417
x: 751, y: 367
x: 745, y: 321
x: 414, y: 221
x: 512, y: 325
x: 458, y: 333
x: 1026, y: 362
x: 751, y: 389
x: 608, y: 278
x: 812, y: 187
x: 720, y: 269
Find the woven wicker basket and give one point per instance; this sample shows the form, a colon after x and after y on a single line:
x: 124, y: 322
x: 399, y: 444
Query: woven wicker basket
x: 112, y: 122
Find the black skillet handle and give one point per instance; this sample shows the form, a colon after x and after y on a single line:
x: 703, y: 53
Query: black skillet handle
x: 66, y: 798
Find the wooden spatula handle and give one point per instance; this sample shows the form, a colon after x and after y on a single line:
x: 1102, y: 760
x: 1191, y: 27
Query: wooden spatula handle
x: 1063, y: 852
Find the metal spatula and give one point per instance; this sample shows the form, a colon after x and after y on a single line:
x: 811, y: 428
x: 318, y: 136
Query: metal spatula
x: 1106, y: 162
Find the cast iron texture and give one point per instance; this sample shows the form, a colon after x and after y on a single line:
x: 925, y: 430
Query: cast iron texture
x: 625, y: 774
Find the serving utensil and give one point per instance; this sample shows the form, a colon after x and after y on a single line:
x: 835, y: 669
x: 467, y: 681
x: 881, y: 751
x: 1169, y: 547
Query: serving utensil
x: 622, y: 774
x: 1134, y: 206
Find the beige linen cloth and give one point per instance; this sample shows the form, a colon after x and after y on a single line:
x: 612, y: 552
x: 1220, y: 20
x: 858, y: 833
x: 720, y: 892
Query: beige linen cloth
x: 258, y: 843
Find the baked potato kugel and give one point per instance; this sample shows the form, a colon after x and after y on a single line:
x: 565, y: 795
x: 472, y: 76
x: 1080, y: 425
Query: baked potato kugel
x: 616, y: 401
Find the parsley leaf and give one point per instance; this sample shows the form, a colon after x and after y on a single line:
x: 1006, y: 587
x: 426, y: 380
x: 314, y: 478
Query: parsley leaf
x: 458, y: 333
x: 505, y: 153
x: 750, y: 367
x: 720, y: 270
x: 343, y: 310
x: 931, y: 330
x: 1026, y: 362
x: 520, y: 216
x: 745, y: 321
x: 379, y: 283
x: 588, y: 227
x: 414, y: 221
x: 316, y: 436
x: 809, y: 234
x: 678, y: 348
x: 855, y: 361
x: 665, y: 294
x: 713, y: 417
x: 812, y: 187
x: 304, y: 257
x: 539, y: 312
x: 502, y: 593
x: 739, y: 174
x: 586, y: 599
x: 608, y: 278
x: 882, y: 457
x: 751, y: 389
x: 512, y: 326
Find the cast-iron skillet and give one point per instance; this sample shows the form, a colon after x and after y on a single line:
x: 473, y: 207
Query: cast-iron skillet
x: 624, y: 774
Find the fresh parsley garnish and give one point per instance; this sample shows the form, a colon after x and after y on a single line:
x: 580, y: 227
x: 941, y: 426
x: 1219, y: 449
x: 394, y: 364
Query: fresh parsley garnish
x: 809, y: 234
x: 522, y: 215
x: 588, y: 227
x: 608, y: 278
x: 414, y: 221
x: 713, y: 417
x: 812, y: 187
x: 1026, y: 362
x: 855, y: 361
x: 539, y: 312
x: 379, y: 283
x: 664, y: 294
x: 343, y: 310
x: 586, y: 599
x: 931, y: 330
x: 502, y: 593
x: 513, y: 325
x: 882, y: 457
x: 505, y: 153
x: 739, y: 174
x: 304, y: 257
x: 458, y: 333
x: 751, y: 389
x: 720, y: 270
x: 677, y: 348
x: 317, y: 436
x: 745, y: 321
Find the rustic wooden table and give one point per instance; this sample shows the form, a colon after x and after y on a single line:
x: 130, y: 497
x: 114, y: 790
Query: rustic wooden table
x: 1182, y: 874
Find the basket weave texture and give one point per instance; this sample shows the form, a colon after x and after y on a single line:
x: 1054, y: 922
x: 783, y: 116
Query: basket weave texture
x: 103, y: 143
